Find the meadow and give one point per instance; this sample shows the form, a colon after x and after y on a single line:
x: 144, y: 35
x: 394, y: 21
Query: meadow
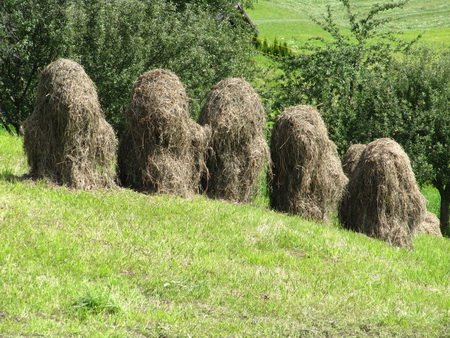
x: 290, y: 20
x: 115, y: 263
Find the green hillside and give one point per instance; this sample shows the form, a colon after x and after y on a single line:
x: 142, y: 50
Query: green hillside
x: 123, y: 264
x: 290, y: 20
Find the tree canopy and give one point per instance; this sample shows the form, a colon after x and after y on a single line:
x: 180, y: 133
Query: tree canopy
x: 115, y: 41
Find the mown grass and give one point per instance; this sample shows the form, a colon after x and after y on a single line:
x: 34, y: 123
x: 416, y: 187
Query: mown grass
x: 118, y: 263
x: 290, y: 20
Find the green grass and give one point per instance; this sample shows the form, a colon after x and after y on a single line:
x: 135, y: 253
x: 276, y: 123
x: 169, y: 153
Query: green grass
x: 433, y: 199
x: 290, y: 20
x: 122, y: 264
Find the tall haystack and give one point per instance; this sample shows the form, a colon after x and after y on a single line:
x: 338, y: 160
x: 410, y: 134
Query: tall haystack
x: 351, y: 158
x: 382, y: 198
x: 162, y: 149
x: 430, y: 226
x: 67, y: 139
x: 307, y: 174
x: 238, y: 150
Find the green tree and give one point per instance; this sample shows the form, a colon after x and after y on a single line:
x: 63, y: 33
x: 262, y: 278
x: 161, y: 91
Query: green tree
x: 216, y: 5
x: 346, y: 77
x: 423, y: 84
x: 368, y: 84
x: 116, y: 41
x: 32, y: 34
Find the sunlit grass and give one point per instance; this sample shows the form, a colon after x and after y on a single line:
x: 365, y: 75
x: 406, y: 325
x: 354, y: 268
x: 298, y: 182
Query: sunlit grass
x: 118, y: 263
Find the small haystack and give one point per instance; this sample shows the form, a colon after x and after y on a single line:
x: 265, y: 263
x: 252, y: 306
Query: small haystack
x: 351, y: 158
x: 67, y: 139
x: 238, y: 149
x: 307, y: 174
x: 429, y: 226
x: 382, y: 198
x: 162, y: 149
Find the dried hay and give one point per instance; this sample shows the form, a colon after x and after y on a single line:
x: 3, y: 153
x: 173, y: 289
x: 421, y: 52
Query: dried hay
x: 429, y: 226
x: 162, y: 149
x: 238, y: 150
x: 382, y: 198
x: 67, y: 139
x: 307, y: 175
x: 351, y: 158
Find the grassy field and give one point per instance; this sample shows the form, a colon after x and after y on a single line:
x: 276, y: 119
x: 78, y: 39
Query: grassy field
x: 122, y: 264
x: 290, y: 20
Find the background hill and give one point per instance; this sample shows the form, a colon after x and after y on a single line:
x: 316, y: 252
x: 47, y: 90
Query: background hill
x: 290, y: 20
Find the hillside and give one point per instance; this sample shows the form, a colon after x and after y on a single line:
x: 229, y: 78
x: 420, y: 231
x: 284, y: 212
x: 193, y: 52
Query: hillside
x: 290, y: 20
x: 123, y: 264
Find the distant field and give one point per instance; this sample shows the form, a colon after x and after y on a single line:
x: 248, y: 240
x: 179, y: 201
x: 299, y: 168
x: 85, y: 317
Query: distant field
x: 290, y: 20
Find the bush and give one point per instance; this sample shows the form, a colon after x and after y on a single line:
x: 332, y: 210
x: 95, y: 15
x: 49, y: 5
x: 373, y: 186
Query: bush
x: 116, y: 41
x: 32, y: 34
x: 423, y: 84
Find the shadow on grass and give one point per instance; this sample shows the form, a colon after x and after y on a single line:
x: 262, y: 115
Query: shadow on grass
x: 8, y: 176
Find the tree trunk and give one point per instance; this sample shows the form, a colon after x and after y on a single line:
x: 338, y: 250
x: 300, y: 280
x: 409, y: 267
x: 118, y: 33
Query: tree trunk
x: 444, y: 214
x: 4, y: 121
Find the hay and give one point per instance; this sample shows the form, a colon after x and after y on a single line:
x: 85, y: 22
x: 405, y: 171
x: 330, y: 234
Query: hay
x: 238, y: 150
x: 67, y: 139
x: 430, y: 226
x: 307, y: 175
x: 382, y: 198
x: 162, y: 149
x: 351, y: 158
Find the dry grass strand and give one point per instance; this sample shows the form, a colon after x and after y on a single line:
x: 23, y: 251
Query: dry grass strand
x: 351, y: 158
x: 382, y: 198
x: 430, y: 226
x: 307, y: 175
x: 238, y: 151
x: 162, y: 149
x: 67, y: 140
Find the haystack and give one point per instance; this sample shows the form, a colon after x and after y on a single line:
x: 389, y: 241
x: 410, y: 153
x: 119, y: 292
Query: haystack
x: 351, y: 158
x: 307, y: 174
x: 382, y: 198
x: 238, y: 150
x: 67, y: 139
x: 430, y: 226
x: 162, y: 149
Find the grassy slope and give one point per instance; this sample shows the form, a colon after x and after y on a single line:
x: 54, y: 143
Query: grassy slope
x: 289, y: 20
x: 118, y: 263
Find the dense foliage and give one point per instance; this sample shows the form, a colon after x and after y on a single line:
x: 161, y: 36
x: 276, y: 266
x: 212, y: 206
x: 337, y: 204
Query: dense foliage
x: 423, y: 84
x: 32, y: 34
x: 116, y: 41
x: 215, y: 5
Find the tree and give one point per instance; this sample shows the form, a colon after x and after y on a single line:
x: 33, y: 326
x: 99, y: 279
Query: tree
x: 116, y: 41
x: 423, y: 83
x: 216, y: 5
x: 368, y: 85
x: 346, y: 77
x: 32, y: 34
